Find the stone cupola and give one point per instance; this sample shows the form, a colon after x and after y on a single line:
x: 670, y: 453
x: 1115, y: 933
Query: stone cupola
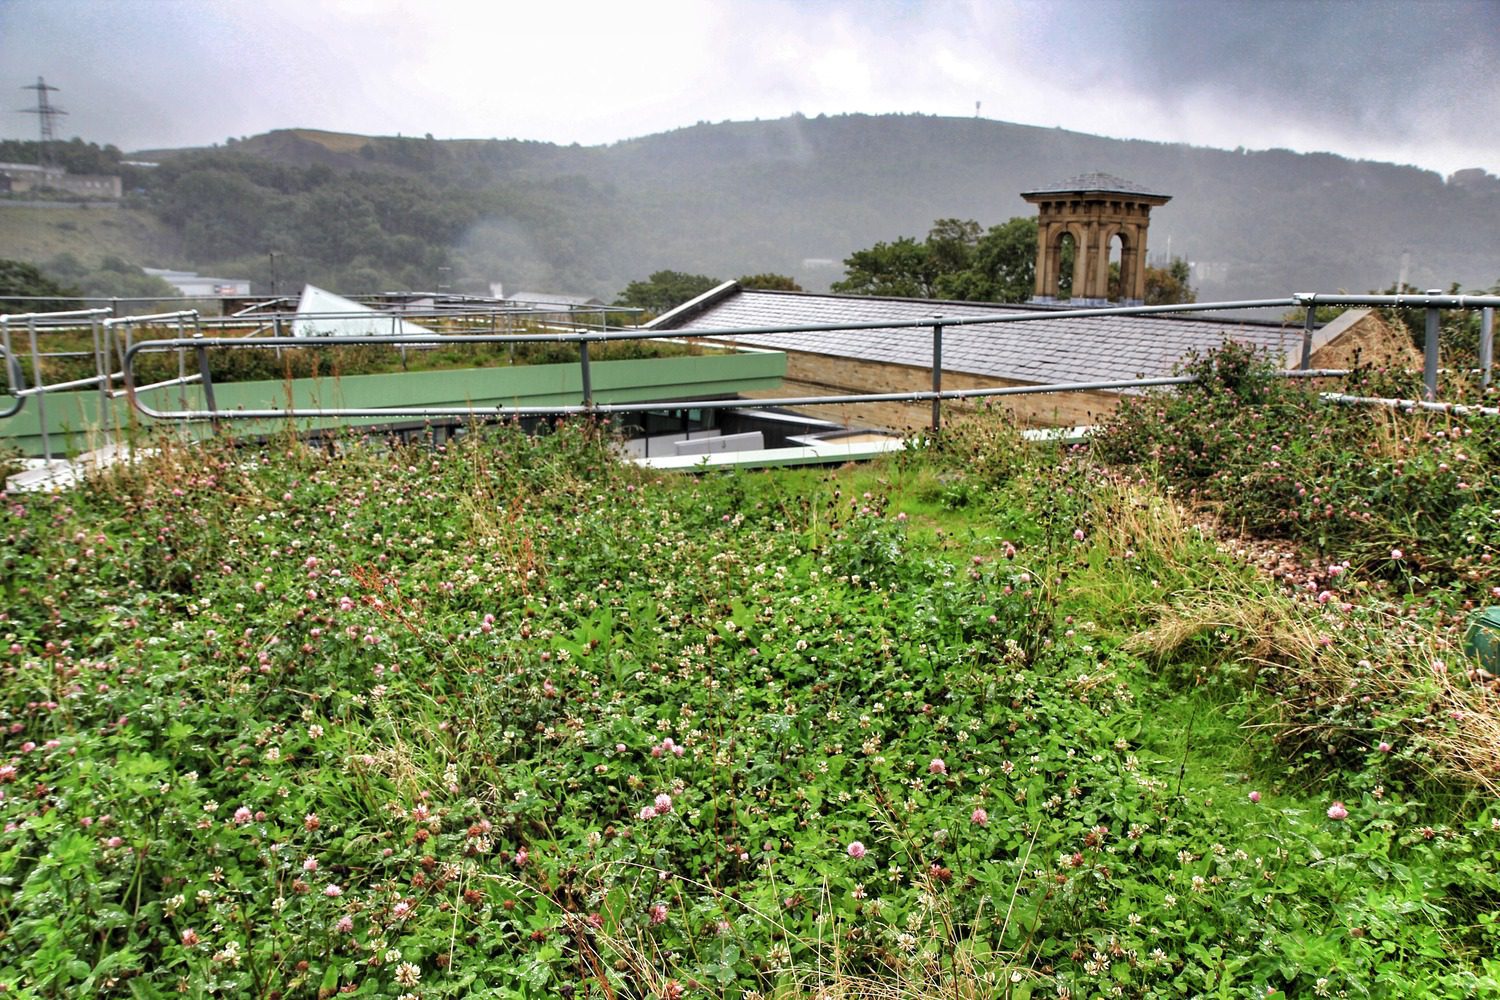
x: 1092, y: 209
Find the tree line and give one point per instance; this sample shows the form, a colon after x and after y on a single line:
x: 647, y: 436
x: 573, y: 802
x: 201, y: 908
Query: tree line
x: 958, y: 260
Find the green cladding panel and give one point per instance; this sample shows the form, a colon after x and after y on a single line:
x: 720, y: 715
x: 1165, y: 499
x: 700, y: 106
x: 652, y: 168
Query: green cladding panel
x: 77, y: 421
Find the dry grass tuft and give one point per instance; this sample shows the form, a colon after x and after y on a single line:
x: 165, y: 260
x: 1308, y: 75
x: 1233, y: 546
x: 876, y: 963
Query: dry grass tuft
x: 1323, y: 665
x: 1326, y: 668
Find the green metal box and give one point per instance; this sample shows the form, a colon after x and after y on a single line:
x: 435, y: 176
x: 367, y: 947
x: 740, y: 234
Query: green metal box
x: 1483, y: 638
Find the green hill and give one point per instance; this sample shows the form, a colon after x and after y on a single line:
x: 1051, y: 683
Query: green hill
x: 744, y: 197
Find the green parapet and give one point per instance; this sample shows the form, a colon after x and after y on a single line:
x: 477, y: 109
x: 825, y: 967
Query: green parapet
x: 79, y: 421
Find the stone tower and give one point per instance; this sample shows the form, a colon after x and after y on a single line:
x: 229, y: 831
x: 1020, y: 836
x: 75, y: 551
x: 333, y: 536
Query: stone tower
x: 1093, y: 209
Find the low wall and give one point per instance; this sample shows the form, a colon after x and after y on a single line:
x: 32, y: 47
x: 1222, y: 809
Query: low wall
x: 824, y: 375
x: 78, y: 421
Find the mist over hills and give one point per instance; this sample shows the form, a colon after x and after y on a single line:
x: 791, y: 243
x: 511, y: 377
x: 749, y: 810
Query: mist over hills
x: 745, y: 197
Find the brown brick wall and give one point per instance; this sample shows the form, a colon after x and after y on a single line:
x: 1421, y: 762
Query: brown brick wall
x: 822, y: 375
x: 1370, y: 341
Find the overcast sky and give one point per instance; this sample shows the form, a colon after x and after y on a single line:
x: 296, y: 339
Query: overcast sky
x: 1416, y: 81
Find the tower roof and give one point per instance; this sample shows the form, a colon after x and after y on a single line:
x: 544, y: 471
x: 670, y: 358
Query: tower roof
x: 1096, y: 183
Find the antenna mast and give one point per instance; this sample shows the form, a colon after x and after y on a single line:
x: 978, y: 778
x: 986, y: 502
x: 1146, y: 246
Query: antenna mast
x: 46, y: 112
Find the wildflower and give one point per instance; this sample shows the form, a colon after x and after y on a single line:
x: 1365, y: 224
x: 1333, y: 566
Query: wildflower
x: 1396, y: 554
x: 856, y: 850
x: 408, y: 974
x: 310, y: 821
x: 979, y: 817
x: 646, y: 813
x: 937, y: 766
x: 243, y: 815
x: 345, y: 924
x: 1077, y: 534
x: 658, y: 913
x: 189, y: 937
x: 1384, y: 747
x: 333, y: 891
x: 1255, y: 796
x: 1337, y: 811
x: 310, y: 865
x: 663, y: 804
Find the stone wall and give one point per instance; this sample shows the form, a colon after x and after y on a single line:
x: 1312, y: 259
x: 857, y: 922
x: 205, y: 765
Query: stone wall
x: 822, y: 375
x: 1362, y: 337
x: 1355, y: 336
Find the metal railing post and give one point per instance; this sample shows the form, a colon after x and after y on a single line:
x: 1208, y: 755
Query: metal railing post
x: 588, y: 378
x: 937, y: 378
x: 41, y: 397
x: 208, y: 382
x: 101, y: 369
x: 1430, y: 355
x: 1486, y: 345
x: 1308, y: 323
x: 13, y: 366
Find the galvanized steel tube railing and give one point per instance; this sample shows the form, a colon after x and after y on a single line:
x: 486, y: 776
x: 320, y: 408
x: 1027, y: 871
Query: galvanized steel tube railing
x: 17, y: 379
x: 1432, y: 302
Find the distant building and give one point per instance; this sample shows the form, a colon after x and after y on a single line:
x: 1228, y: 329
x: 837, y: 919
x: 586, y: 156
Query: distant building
x: 24, y: 178
x: 200, y: 286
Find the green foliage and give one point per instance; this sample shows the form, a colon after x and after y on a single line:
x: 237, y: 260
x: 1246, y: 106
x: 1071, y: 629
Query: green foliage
x: 770, y: 282
x: 512, y: 720
x: 958, y: 260
x: 1410, y: 497
x: 665, y: 290
x: 75, y: 156
x: 113, y: 277
x: 904, y: 269
x: 18, y: 278
x: 1458, y: 330
x: 1169, y: 285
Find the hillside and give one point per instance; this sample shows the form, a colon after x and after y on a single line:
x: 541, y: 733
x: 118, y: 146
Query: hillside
x: 90, y: 232
x: 741, y: 197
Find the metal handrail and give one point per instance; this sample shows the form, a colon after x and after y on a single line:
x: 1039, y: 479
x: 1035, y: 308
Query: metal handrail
x: 692, y: 404
x: 937, y: 323
x: 1432, y: 302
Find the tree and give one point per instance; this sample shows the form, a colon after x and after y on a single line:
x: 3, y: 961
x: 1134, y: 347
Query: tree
x: 951, y: 244
x: 665, y: 290
x: 903, y: 268
x: 1169, y: 285
x: 18, y: 278
x: 113, y: 278
x: 770, y: 282
x: 957, y: 260
x: 1002, y: 267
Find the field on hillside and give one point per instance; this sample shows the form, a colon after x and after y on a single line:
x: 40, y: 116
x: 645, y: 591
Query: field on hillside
x: 512, y: 720
x: 90, y: 233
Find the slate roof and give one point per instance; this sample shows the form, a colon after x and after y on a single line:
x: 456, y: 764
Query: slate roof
x: 1096, y: 182
x: 1040, y: 351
